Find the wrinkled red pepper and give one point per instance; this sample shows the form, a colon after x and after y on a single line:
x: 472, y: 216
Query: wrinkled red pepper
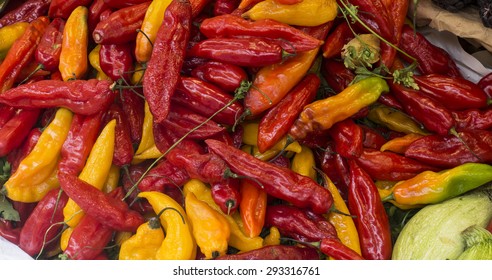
x: 133, y: 106
x: 6, y: 113
x: 337, y: 250
x: 473, y: 119
x: 49, y: 48
x: 13, y: 133
x: 336, y: 74
x: 95, y: 10
x: 123, y: 147
x: 9, y: 232
x: 348, y: 138
x: 26, y: 12
x: 162, y: 175
x: 486, y: 84
x: 223, y: 7
x: 226, y: 76
x: 341, y: 35
x: 63, y: 8
x: 118, y: 4
x: 117, y: 61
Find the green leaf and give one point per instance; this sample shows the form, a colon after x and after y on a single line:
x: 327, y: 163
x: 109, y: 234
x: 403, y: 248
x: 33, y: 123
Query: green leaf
x: 5, y: 169
x: 7, y: 212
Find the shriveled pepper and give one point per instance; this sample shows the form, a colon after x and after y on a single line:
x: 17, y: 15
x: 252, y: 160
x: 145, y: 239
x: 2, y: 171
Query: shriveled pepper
x: 75, y: 40
x: 226, y: 194
x: 179, y: 243
x: 9, y: 34
x: 322, y: 114
x: 28, y: 11
x: 210, y: 228
x: 49, y: 48
x: 116, y: 61
x: 276, y: 252
x: 26, y: 184
x: 123, y: 148
x: 348, y: 138
x: 433, y: 187
x: 145, y: 243
x: 313, y: 12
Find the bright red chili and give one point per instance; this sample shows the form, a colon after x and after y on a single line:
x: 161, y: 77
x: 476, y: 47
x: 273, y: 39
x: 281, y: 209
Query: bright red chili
x: 63, y: 8
x: 13, y: 133
x: 348, y: 138
x: 123, y: 147
x: 26, y: 12
x: 226, y: 76
x: 117, y: 61
x: 226, y: 195
x: 49, y: 48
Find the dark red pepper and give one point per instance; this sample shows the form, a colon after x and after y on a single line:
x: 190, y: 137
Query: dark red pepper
x: 336, y: 74
x: 9, y: 231
x: 348, y: 138
x: 332, y: 47
x: 222, y: 7
x: 123, y: 147
x: 117, y: 61
x: 226, y: 76
x: 226, y: 195
x: 49, y: 48
x: 118, y: 4
x: 162, y: 175
x: 85, y: 97
x: 276, y: 123
x: 247, y: 52
x: 26, y: 12
x: 278, y: 182
x: 164, y: 137
x: 42, y: 228
x: 63, y: 8
x: 275, y: 252
x: 121, y: 25
x: 389, y: 100
x: 6, y: 113
x: 109, y: 211
x: 373, y: 138
x: 24, y: 209
x: 133, y: 106
x: 473, y: 119
x: 167, y: 58
x: 129, y: 179
x: 207, y: 99
x: 298, y: 223
x: 337, y: 250
x: 453, y: 92
x: 95, y: 10
x: 486, y: 84
x: 372, y: 221
x: 13, y: 133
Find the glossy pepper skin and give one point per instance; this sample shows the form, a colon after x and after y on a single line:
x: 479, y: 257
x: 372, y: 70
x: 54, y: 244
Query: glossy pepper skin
x: 372, y: 221
x: 336, y: 74
x: 143, y: 245
x: 97, y: 8
x: 73, y: 57
x: 21, y: 52
x: 276, y: 252
x: 163, y: 174
x: 27, y: 12
x: 226, y: 76
x: 252, y: 207
x: 121, y: 25
x: 63, y: 8
x: 322, y: 114
x: 116, y: 61
x: 348, y: 138
x: 395, y: 119
x: 49, y: 48
x: 485, y: 83
x: 167, y: 58
x: 43, y: 225
x: 84, y: 97
x: 431, y: 187
x: 279, y: 182
x: 332, y: 46
x: 337, y: 250
x: 276, y: 123
x: 9, y: 35
x: 473, y: 119
x: 17, y: 155
x: 16, y: 129
x: 123, y: 148
x: 9, y: 231
x: 226, y: 194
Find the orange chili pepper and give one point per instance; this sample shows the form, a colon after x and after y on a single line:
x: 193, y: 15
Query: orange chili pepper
x: 73, y: 56
x: 252, y: 207
x: 400, y: 144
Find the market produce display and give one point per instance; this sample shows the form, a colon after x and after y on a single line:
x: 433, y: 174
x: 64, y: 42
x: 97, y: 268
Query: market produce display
x: 238, y: 130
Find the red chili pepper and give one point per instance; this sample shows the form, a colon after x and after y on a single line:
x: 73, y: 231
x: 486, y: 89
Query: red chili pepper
x: 348, y: 138
x: 473, y: 119
x: 276, y: 123
x: 95, y: 10
x: 42, y: 228
x: 389, y: 100
x: 129, y: 180
x: 49, y: 48
x: 247, y: 52
x: 206, y: 99
x: 230, y: 26
x: 21, y: 53
x: 486, y: 84
x: 372, y: 222
x: 335, y: 167
x: 167, y: 58
x: 373, y: 138
x: 430, y: 113
x: 335, y: 41
x: 337, y: 250
x: 431, y: 59
x: 223, y: 7
x: 164, y: 137
x: 118, y: 4
x: 275, y: 252
x: 9, y: 232
x: 226, y: 76
x: 278, y: 182
x: 226, y: 195
x: 453, y: 92
x: 109, y: 211
x: 13, y: 133
x: 90, y: 236
x: 123, y: 147
x: 298, y: 223
x: 85, y: 97
x: 6, y: 113
x: 121, y: 25
x: 116, y: 61
x: 162, y: 175
x: 133, y: 106
x: 63, y: 8
x: 26, y: 12
x: 336, y: 74
x: 24, y: 209
x: 17, y: 155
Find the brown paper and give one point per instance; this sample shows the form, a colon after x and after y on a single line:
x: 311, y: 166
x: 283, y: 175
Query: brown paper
x: 465, y: 24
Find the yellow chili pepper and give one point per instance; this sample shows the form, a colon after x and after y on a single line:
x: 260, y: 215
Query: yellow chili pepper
x: 400, y: 144
x: 73, y: 56
x: 210, y: 228
x: 304, y: 162
x: 237, y: 239
x: 144, y: 244
x: 112, y: 180
x: 150, y: 25
x: 137, y: 76
x: 179, y: 243
x: 41, y: 162
x: 147, y: 131
x: 9, y: 34
x: 65, y: 237
x: 273, y: 238
x: 253, y: 150
x: 250, y: 137
x: 304, y: 13
x: 95, y: 63
x: 95, y: 171
x: 344, y: 224
x: 151, y: 153
x: 395, y: 120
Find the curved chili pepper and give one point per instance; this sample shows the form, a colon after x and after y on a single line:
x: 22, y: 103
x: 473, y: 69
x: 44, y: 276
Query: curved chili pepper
x: 16, y: 129
x: 163, y: 174
x: 206, y: 99
x: 299, y: 224
x: 49, y: 48
x: 26, y: 12
x: 121, y: 25
x: 332, y: 47
x: 230, y: 26
x: 85, y: 97
x: 348, y: 138
x: 390, y: 101
x: 167, y: 58
x: 276, y: 123
x: 123, y: 147
x: 400, y: 144
x: 473, y: 119
x: 334, y: 166
x: 21, y: 53
x: 275, y: 252
x: 252, y: 207
x: 373, y: 138
x: 337, y: 250
x: 44, y: 224
x: 95, y: 10
x: 372, y: 222
x: 143, y: 245
x: 223, y: 7
x: 226, y: 76
x: 63, y: 8
x: 133, y: 106
x: 116, y: 61
x: 108, y: 210
x: 453, y: 92
x: 279, y: 182
x: 248, y: 52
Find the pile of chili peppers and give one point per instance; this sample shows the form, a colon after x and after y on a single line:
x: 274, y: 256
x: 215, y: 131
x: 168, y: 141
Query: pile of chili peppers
x: 226, y: 129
